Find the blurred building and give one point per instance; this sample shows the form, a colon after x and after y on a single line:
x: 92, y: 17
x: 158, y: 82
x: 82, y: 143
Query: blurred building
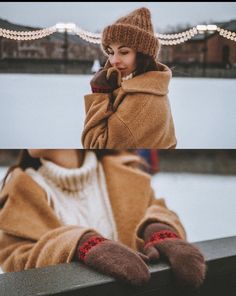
x: 203, y: 161
x: 203, y: 50
x: 51, y: 47
x: 210, y: 48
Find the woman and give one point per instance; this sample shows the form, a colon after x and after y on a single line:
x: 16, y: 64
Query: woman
x: 59, y: 206
x: 129, y: 107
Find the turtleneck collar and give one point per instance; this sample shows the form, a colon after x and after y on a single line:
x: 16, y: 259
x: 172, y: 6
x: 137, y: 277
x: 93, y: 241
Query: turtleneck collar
x: 130, y: 76
x: 70, y: 179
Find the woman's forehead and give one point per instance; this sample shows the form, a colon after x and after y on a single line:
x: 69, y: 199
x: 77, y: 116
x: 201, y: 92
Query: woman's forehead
x: 117, y: 46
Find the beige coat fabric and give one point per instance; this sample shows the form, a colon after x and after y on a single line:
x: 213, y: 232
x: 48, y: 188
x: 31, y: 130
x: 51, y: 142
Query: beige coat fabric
x: 31, y: 235
x: 139, y: 118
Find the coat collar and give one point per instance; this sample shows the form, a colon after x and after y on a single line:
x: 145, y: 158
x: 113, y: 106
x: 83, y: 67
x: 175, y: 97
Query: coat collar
x: 129, y: 190
x: 153, y: 82
x: 24, y: 203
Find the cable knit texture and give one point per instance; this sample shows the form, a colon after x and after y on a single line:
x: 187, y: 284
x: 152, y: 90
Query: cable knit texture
x: 78, y: 196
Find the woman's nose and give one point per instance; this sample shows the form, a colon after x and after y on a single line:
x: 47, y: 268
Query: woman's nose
x: 114, y: 60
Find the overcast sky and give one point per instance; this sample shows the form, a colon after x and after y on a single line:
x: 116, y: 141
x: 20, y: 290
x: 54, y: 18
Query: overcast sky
x: 93, y: 16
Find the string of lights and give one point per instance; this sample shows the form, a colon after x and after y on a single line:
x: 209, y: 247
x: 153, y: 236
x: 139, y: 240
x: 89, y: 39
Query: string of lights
x: 227, y: 34
x: 88, y: 36
x: 165, y: 39
x: 27, y: 35
x: 174, y: 39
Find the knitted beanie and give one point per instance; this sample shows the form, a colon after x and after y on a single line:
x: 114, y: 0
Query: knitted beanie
x: 135, y: 31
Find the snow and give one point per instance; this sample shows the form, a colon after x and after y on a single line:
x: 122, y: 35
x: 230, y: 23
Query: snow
x: 48, y: 111
x: 206, y: 204
x: 42, y: 110
x: 204, y: 112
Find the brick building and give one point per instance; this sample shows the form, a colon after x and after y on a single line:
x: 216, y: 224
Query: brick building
x: 56, y: 46
x: 210, y: 48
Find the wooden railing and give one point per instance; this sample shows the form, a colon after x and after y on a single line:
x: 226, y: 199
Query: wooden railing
x: 76, y: 279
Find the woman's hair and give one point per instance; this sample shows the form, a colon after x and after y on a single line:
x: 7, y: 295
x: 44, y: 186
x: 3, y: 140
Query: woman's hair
x: 25, y: 161
x: 145, y: 63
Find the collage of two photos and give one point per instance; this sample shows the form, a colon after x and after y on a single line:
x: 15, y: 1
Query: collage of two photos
x: 165, y: 81
x: 118, y: 150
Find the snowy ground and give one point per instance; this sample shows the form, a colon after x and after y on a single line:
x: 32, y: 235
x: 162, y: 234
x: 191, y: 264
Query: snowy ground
x: 48, y: 111
x: 206, y: 204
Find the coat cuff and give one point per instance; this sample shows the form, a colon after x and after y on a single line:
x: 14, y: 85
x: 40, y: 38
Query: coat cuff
x: 139, y: 242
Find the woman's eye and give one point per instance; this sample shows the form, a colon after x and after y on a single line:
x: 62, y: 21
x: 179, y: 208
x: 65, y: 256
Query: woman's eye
x: 124, y: 52
x: 110, y: 53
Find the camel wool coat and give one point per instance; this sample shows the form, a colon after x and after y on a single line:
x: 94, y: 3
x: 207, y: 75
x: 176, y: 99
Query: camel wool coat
x: 140, y: 116
x: 32, y: 236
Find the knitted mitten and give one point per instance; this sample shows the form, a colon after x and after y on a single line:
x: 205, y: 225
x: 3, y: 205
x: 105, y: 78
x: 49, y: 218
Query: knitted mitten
x: 186, y: 260
x: 106, y: 80
x: 112, y: 258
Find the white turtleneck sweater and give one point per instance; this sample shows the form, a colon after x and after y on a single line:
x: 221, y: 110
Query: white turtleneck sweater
x: 78, y: 196
x: 130, y: 76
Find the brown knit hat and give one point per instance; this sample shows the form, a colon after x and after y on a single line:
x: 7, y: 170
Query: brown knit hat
x: 135, y: 31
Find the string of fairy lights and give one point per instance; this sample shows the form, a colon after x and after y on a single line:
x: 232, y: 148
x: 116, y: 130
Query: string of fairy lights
x: 95, y: 38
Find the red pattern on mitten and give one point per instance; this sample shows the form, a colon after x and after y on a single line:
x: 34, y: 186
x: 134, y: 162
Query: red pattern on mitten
x: 160, y: 236
x: 106, y: 80
x: 112, y: 258
x: 86, y: 247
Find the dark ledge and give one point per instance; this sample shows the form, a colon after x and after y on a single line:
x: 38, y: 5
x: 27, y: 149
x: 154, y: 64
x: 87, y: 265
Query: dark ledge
x: 76, y: 279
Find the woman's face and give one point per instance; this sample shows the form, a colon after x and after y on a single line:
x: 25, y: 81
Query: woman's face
x: 70, y: 158
x: 123, y: 58
x: 37, y: 153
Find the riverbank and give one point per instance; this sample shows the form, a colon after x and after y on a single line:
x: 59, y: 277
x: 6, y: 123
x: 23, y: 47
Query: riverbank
x: 52, y: 66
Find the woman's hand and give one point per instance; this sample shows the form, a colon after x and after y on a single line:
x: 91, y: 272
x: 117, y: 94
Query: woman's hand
x: 106, y: 80
x: 112, y: 258
x: 186, y: 260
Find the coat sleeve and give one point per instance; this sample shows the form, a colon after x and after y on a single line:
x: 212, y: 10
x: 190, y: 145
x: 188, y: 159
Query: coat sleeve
x: 158, y: 212
x: 136, y: 120
x: 54, y: 247
x: 30, y: 233
x: 103, y: 128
